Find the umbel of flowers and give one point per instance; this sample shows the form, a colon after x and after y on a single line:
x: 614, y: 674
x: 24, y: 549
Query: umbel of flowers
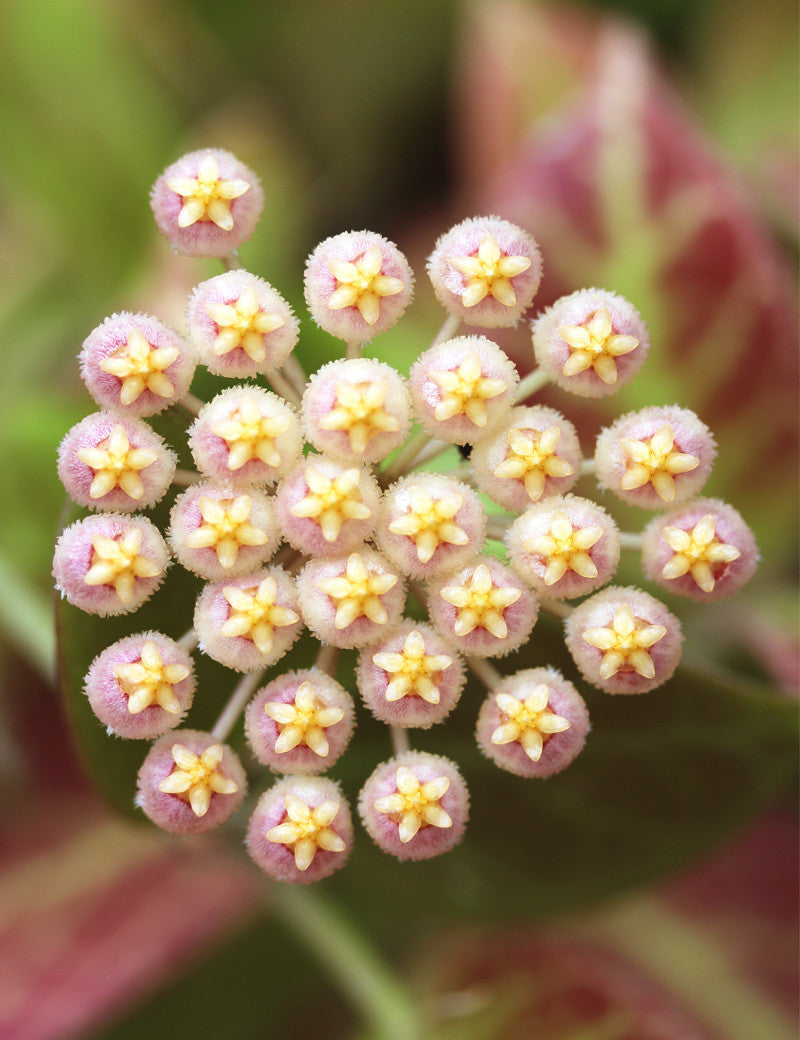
x: 337, y: 537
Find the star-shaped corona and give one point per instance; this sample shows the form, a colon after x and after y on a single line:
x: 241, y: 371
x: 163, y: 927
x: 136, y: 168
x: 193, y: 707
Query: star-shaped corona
x: 480, y: 603
x: 140, y: 366
x: 357, y: 593
x: 359, y: 283
x: 488, y: 273
x: 116, y: 464
x: 226, y: 528
x: 251, y: 435
x: 429, y: 522
x: 529, y: 721
x: 243, y: 323
x: 207, y: 197
x: 197, y: 777
x: 149, y: 681
x: 414, y: 673
x: 118, y: 562
x: 415, y: 805
x: 697, y: 552
x: 464, y: 391
x: 564, y: 548
x: 306, y: 830
x: 532, y: 458
x: 303, y: 722
x: 625, y: 643
x: 255, y: 615
x: 594, y: 344
x: 359, y: 413
x: 655, y: 461
x: 331, y: 500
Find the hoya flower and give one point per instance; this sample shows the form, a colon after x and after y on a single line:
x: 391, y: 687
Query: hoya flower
x: 429, y: 523
x: 415, y: 806
x: 190, y: 783
x: 357, y: 285
x: 240, y: 326
x: 136, y: 364
x: 110, y: 462
x: 301, y: 830
x: 655, y: 457
x: 141, y: 686
x: 462, y: 388
x: 356, y: 409
x: 217, y: 531
x: 533, y: 723
x: 207, y: 203
x: 108, y: 564
x: 249, y: 622
x: 411, y: 677
x: 300, y: 722
x: 486, y: 271
x: 326, y: 507
x: 591, y: 343
x: 564, y: 546
x: 245, y: 435
x: 533, y: 454
x: 703, y: 550
x: 624, y: 641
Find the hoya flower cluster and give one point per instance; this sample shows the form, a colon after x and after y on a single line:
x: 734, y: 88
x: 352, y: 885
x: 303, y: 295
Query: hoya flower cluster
x: 310, y: 509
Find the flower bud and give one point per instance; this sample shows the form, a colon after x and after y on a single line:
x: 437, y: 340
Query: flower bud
x: 486, y: 271
x: 357, y: 285
x: 415, y: 806
x: 207, y: 203
x: 114, y: 463
x: 190, y: 783
x: 109, y: 564
x: 301, y: 722
x: 301, y: 831
x: 135, y: 364
x: 533, y: 723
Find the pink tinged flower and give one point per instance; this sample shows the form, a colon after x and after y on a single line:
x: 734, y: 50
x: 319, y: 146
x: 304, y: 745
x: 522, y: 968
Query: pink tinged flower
x: 485, y: 271
x: 463, y: 388
x: 351, y: 601
x: 141, y: 686
x: 301, y: 722
x: 109, y: 564
x: 484, y: 608
x: 240, y: 326
x: 415, y: 806
x: 357, y: 285
x: 655, y: 457
x: 207, y: 203
x: 217, y: 531
x: 114, y: 463
x: 533, y: 454
x: 326, y: 507
x: 357, y: 409
x: 703, y: 550
x: 136, y: 364
x: 249, y: 622
x: 591, y: 343
x: 301, y: 831
x: 533, y: 724
x: 624, y: 641
x: 246, y: 435
x: 564, y: 546
x: 412, y: 677
x: 190, y: 783
x: 430, y: 522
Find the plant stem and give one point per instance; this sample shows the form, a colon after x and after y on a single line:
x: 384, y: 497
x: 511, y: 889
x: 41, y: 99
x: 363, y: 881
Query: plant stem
x: 293, y: 371
x: 404, y: 460
x: 353, y: 348
x: 430, y: 452
x: 327, y: 658
x: 188, y: 641
x: 352, y: 961
x: 557, y: 608
x: 496, y: 528
x: 631, y: 540
x: 400, y: 741
x: 242, y: 693
x: 231, y: 262
x: 448, y: 329
x: 185, y: 477
x: 281, y: 385
x: 487, y: 673
x: 587, y: 467
x: 191, y: 403
x: 532, y: 382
